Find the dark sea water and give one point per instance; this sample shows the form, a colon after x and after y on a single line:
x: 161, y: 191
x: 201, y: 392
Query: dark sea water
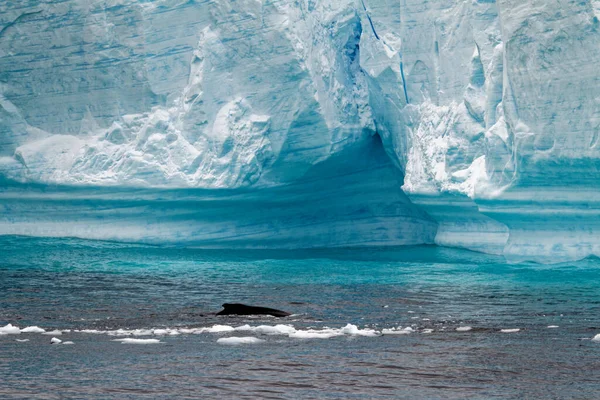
x: 67, y: 284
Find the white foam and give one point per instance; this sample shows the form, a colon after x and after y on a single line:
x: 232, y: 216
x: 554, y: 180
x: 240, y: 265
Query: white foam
x: 137, y: 341
x: 33, y: 329
x: 463, y: 329
x: 514, y: 330
x: 239, y: 340
x: 55, y: 341
x: 10, y: 330
x: 53, y: 333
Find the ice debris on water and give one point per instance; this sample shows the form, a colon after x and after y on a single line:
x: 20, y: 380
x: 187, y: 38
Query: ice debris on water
x: 9, y: 330
x: 33, y: 329
x: 239, y: 340
x: 398, y: 331
x: 137, y: 341
x: 464, y: 329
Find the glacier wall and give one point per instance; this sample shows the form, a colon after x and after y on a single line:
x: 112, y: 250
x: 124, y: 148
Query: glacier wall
x: 258, y: 118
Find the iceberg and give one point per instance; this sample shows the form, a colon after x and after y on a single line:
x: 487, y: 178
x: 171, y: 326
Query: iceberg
x: 298, y: 124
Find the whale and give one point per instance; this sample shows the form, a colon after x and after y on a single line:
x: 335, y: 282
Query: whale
x: 243, y: 309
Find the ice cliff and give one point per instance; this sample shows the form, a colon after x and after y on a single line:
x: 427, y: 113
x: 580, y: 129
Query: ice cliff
x: 258, y: 123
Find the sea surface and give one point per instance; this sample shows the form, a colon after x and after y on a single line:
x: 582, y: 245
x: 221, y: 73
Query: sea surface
x: 97, y: 293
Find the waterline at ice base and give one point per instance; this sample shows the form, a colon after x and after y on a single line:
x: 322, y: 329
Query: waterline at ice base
x: 304, y: 124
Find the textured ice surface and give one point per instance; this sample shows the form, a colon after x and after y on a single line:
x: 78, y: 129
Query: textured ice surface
x: 295, y: 123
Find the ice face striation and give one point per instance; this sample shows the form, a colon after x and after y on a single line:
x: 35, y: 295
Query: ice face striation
x: 256, y: 123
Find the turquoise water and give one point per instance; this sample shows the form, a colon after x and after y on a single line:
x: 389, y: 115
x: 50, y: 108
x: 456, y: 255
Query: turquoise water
x: 69, y: 284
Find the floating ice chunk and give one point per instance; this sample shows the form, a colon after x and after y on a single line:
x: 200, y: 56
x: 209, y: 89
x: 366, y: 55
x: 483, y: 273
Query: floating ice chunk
x: 463, y: 329
x: 55, y: 332
x: 398, y: 331
x: 354, y: 331
x: 216, y: 329
x: 91, y: 331
x: 55, y: 341
x: 33, y: 329
x: 142, y: 332
x: 68, y: 342
x: 552, y: 326
x: 514, y: 330
x: 160, y: 332
x: 22, y: 340
x: 10, y: 330
x: 187, y: 330
x: 316, y: 334
x: 268, y: 329
x: 596, y: 338
x: 137, y: 341
x: 427, y: 331
x: 119, y: 332
x: 239, y: 340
